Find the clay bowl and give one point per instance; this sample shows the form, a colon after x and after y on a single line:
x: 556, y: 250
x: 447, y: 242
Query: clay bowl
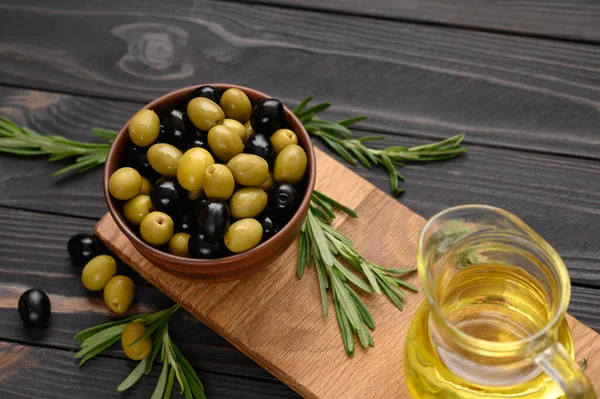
x: 228, y: 268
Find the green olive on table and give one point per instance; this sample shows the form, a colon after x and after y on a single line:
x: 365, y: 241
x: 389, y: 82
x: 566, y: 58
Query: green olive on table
x: 248, y: 202
x: 249, y: 131
x: 146, y: 186
x: 136, y: 209
x: 144, y: 128
x: 190, y: 172
x: 164, y: 159
x: 269, y: 183
x: 218, y: 182
x: 98, y: 271
x: 224, y: 143
x: 243, y: 235
x: 125, y: 183
x: 157, y: 228
x: 118, y: 293
x: 205, y: 113
x: 290, y: 165
x: 249, y: 169
x: 236, y: 105
x: 141, y: 349
x: 282, y: 138
x: 178, y: 244
x: 236, y: 127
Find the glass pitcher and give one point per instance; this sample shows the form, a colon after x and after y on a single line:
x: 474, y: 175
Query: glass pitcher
x: 493, y: 322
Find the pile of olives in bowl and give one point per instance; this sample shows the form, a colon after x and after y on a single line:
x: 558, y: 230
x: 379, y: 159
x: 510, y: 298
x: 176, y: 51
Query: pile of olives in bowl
x: 213, y: 175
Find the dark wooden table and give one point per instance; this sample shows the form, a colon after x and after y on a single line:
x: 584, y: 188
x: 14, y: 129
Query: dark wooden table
x: 521, y: 78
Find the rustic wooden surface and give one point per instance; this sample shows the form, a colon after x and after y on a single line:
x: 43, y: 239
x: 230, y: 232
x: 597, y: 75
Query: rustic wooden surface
x: 272, y: 317
x: 528, y: 104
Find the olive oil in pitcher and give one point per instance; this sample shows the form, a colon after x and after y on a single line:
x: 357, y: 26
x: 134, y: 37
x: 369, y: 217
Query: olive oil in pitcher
x: 492, y: 325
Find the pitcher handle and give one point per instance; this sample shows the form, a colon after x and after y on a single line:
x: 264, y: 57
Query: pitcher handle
x: 557, y: 363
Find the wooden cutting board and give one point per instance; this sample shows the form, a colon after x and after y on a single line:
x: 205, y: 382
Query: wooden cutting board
x: 276, y: 319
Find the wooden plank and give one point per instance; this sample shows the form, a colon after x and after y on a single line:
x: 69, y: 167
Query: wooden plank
x: 33, y: 254
x: 48, y: 373
x: 578, y: 20
x: 419, y: 80
x: 558, y: 196
x: 275, y: 323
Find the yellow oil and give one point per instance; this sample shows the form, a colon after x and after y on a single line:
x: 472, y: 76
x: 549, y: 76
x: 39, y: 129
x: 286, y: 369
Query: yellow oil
x: 492, y: 302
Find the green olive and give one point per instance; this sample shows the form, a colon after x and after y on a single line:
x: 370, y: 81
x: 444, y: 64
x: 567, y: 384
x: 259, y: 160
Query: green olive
x: 269, y: 183
x: 218, y: 182
x: 282, y: 138
x: 243, y: 235
x: 164, y: 159
x: 248, y: 202
x: 249, y: 169
x: 118, y: 293
x: 178, y: 244
x: 236, y: 105
x: 194, y: 195
x: 249, y: 131
x: 236, y: 127
x: 157, y: 228
x: 125, y: 183
x: 98, y: 271
x: 225, y: 143
x: 144, y: 128
x: 205, y: 113
x: 146, y: 186
x: 141, y: 349
x: 190, y: 172
x: 290, y: 165
x: 136, y: 209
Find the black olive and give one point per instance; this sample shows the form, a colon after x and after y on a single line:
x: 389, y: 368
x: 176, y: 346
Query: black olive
x: 131, y: 153
x: 83, y: 247
x: 267, y: 116
x: 138, y: 160
x: 267, y: 222
x: 259, y: 144
x: 34, y: 308
x: 213, y: 219
x: 196, y: 205
x: 200, y: 247
x: 207, y: 92
x: 200, y: 140
x: 284, y: 200
x: 185, y: 223
x: 168, y: 196
x: 178, y: 129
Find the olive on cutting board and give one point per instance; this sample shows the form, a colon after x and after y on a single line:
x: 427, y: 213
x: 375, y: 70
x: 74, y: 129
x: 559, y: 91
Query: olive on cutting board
x: 220, y: 175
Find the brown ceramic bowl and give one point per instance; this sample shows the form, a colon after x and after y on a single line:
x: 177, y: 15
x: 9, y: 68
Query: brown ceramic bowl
x: 223, y: 269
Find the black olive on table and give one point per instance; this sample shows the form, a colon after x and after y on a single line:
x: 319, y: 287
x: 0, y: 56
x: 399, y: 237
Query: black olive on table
x: 267, y: 116
x: 83, y: 247
x: 168, y: 196
x: 259, y: 144
x: 267, y: 221
x: 284, y: 200
x: 34, y: 307
x: 200, y: 247
x: 178, y: 129
x: 213, y: 220
x: 207, y: 92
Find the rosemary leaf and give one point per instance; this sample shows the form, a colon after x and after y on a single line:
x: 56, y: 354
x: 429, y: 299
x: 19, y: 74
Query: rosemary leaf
x: 133, y: 377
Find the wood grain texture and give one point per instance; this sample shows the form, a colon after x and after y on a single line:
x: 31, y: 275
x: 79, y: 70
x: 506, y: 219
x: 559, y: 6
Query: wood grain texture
x: 577, y: 19
x: 272, y: 317
x: 424, y: 81
x: 33, y: 254
x: 47, y: 373
x: 558, y: 196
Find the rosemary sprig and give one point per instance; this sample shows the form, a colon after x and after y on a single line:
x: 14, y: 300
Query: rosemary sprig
x: 339, y: 138
x: 18, y: 140
x: 175, y: 366
x: 343, y: 271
